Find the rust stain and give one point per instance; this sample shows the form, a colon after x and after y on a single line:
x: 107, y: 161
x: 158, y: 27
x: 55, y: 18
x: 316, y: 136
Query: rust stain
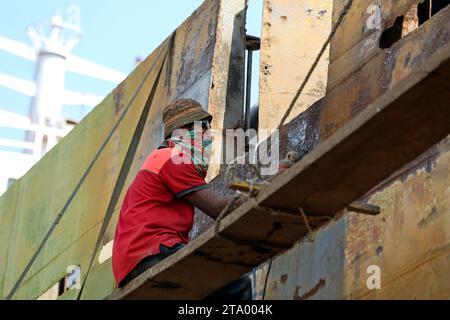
x: 311, y: 292
x: 119, y: 94
x: 431, y: 216
x: 283, y: 47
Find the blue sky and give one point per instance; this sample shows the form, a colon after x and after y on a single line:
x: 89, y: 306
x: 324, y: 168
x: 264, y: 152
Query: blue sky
x: 115, y: 33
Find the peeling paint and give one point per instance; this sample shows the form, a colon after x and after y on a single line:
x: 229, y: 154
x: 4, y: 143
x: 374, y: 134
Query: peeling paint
x: 313, y: 291
x: 410, y: 239
x: 287, y: 54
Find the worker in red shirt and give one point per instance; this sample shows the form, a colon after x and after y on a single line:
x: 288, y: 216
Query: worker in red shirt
x: 158, y: 210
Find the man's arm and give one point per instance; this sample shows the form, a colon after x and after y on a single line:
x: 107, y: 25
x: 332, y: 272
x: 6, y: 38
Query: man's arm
x: 207, y: 201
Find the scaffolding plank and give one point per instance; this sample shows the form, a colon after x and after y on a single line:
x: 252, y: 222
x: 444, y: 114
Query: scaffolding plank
x: 394, y: 130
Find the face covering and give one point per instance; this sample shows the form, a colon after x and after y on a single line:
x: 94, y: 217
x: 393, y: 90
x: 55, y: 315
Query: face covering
x: 197, y: 145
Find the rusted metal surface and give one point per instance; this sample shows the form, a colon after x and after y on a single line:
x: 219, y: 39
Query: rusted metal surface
x: 383, y: 71
x: 293, y: 33
x: 299, y: 136
x: 226, y: 100
x: 360, y: 72
x: 358, y: 39
x: 410, y: 242
x: 310, y: 270
x: 407, y: 98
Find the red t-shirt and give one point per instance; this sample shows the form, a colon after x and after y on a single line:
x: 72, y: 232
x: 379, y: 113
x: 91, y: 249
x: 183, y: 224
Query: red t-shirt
x: 154, y: 211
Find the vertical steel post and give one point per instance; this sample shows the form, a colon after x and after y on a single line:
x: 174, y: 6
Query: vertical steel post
x: 252, y: 44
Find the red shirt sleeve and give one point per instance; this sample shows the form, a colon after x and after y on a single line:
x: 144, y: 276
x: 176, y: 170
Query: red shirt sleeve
x: 182, y: 178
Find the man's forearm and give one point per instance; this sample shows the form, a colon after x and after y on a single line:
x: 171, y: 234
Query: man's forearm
x: 207, y: 201
x: 220, y: 205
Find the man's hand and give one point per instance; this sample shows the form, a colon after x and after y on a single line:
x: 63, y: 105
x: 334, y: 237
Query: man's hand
x: 207, y: 201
